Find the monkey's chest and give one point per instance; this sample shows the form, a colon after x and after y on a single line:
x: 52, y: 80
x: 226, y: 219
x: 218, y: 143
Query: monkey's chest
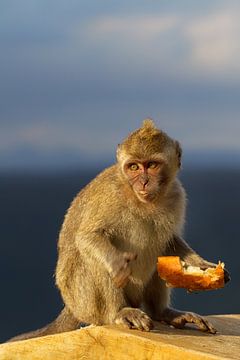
x: 148, y: 240
x: 149, y: 235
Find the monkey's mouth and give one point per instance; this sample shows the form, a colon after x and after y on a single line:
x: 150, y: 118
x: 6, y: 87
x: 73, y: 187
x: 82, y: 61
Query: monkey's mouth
x: 143, y: 192
x: 145, y: 196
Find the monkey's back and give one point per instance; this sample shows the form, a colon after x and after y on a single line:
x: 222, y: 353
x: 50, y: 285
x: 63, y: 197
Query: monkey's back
x: 89, y: 210
x: 90, y: 205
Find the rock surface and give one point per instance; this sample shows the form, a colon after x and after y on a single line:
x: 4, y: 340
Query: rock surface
x: 112, y: 342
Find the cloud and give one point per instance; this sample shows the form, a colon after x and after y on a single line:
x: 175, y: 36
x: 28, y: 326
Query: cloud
x: 131, y: 43
x: 140, y: 28
x: 84, y: 78
x: 77, y: 135
x: 214, y: 41
x: 176, y: 45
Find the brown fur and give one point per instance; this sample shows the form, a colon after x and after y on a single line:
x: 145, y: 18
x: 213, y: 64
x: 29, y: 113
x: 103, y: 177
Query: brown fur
x: 112, y: 235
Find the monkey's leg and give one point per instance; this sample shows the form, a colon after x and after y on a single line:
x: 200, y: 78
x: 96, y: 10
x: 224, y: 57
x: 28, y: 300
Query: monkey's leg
x: 91, y: 295
x: 119, y: 310
x: 156, y: 302
x: 156, y: 297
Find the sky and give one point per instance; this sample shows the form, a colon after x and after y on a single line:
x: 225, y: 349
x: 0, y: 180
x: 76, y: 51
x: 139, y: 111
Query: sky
x: 78, y: 76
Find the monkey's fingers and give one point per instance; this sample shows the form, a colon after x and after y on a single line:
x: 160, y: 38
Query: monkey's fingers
x: 142, y: 322
x: 125, y: 323
x: 227, y: 276
x: 210, y: 328
x: 188, y: 317
x: 134, y: 318
x: 206, y: 265
x: 201, y: 323
x: 122, y: 278
x: 128, y: 256
x: 121, y: 283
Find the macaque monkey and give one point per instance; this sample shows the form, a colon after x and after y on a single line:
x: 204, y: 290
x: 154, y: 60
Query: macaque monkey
x: 112, y: 234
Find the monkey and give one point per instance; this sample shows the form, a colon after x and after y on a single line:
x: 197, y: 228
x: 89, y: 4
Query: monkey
x: 112, y: 234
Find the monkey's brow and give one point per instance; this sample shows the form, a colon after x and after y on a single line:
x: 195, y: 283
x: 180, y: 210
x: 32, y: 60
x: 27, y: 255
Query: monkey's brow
x: 145, y: 157
x: 146, y: 160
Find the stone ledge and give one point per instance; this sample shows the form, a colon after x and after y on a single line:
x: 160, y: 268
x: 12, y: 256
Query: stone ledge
x: 113, y: 342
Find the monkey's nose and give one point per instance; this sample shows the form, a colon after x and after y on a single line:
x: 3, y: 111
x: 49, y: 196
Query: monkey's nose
x: 144, y: 179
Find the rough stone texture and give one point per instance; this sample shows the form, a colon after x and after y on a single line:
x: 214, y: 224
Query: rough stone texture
x: 112, y: 342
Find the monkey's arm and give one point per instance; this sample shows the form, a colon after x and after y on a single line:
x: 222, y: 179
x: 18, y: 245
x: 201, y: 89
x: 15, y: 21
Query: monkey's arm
x: 179, y: 247
x: 97, y: 244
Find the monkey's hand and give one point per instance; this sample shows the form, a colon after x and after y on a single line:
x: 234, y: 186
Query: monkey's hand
x: 120, y: 269
x: 179, y: 319
x: 206, y: 264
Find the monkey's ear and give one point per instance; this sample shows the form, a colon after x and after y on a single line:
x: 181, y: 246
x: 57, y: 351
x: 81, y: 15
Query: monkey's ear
x: 179, y: 153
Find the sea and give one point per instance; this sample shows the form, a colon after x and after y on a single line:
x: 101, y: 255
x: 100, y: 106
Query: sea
x: 32, y: 211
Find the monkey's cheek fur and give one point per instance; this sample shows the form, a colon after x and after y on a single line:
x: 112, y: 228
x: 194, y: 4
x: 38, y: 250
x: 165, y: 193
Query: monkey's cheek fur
x: 178, y: 275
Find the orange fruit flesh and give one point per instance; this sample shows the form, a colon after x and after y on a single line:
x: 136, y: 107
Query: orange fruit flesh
x: 172, y: 270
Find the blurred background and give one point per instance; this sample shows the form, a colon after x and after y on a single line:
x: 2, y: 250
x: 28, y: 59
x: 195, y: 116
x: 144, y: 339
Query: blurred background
x: 76, y: 78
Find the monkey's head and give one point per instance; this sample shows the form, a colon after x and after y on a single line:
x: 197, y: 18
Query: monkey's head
x: 149, y: 159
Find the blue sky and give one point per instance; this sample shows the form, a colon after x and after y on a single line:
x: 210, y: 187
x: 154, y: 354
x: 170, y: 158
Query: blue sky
x: 77, y: 76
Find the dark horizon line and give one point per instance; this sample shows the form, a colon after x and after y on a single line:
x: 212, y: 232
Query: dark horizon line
x: 202, y: 159
x: 95, y: 168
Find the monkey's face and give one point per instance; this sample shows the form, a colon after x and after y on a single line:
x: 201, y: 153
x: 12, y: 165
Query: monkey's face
x: 145, y: 177
x: 150, y: 160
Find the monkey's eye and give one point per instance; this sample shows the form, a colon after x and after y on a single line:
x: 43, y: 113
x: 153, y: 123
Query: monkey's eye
x: 152, y: 165
x: 133, y: 167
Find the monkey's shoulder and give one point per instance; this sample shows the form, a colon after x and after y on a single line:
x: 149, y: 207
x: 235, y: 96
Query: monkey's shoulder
x: 100, y: 196
x: 176, y: 192
x: 175, y: 205
x: 106, y: 183
x: 93, y: 207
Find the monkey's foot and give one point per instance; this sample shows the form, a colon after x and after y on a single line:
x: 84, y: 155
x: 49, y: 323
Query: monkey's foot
x: 134, y: 318
x: 180, y: 318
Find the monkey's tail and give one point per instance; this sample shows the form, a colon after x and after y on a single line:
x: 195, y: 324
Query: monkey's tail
x: 64, y: 322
